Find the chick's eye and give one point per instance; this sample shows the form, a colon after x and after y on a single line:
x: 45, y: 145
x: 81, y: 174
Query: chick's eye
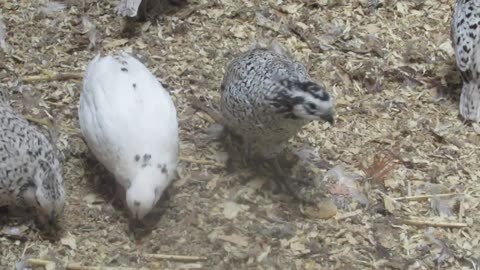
x: 324, y: 97
x: 311, y: 106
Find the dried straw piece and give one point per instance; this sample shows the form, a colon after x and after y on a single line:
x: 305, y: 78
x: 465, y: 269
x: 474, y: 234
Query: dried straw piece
x: 53, y: 76
x: 44, y: 122
x: 200, y: 105
x: 201, y: 161
x: 43, y: 263
x: 175, y: 257
x: 418, y: 222
x: 425, y: 197
x: 349, y: 215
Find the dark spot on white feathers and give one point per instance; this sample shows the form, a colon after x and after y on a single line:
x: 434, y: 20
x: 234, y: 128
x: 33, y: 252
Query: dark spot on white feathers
x: 134, y: 86
x: 146, y: 160
x: 163, y: 168
x: 124, y: 69
x: 136, y: 203
x: 137, y: 157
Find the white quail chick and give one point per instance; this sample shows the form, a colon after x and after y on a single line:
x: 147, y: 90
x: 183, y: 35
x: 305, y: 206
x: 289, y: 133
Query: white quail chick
x: 30, y: 172
x: 130, y: 124
x: 266, y: 98
x: 465, y: 37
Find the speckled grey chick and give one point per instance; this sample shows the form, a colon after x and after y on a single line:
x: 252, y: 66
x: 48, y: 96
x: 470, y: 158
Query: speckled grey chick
x: 465, y: 37
x: 267, y: 97
x: 30, y: 173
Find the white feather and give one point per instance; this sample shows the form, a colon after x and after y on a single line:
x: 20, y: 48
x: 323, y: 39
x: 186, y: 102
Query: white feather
x: 127, y: 7
x: 125, y: 114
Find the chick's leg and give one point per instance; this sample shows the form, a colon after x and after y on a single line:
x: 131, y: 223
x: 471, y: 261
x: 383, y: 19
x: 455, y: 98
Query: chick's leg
x: 283, y: 179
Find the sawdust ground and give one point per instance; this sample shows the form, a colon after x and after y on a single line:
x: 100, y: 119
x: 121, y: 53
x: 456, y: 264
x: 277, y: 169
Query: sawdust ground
x: 391, y: 68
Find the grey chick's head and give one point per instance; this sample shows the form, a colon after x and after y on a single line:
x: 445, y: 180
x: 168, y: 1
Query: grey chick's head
x: 304, y: 100
x: 49, y: 194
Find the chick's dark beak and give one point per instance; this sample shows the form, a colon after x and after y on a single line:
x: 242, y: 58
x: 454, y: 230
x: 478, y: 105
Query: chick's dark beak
x: 329, y: 117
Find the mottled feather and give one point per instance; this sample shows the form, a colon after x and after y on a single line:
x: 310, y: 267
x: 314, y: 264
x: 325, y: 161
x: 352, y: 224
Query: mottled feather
x: 30, y: 172
x: 266, y: 98
x: 465, y: 32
